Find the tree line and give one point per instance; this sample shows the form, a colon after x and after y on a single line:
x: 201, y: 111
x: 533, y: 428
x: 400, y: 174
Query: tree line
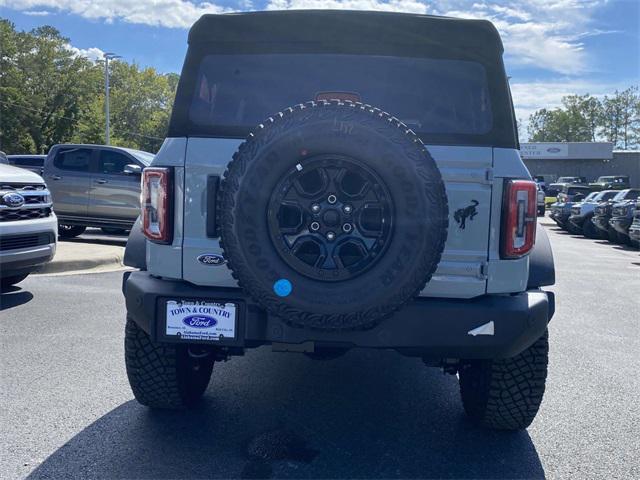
x: 585, y: 118
x: 49, y: 94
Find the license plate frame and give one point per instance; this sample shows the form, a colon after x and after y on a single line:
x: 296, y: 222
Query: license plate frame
x: 200, y: 321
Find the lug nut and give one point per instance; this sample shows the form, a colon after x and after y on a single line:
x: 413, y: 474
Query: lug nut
x: 315, y: 208
x: 347, y: 209
x: 332, y: 199
x: 347, y: 227
x: 331, y: 236
x: 315, y: 226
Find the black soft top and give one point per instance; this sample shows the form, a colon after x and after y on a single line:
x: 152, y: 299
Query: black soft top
x: 349, y: 28
x: 355, y: 33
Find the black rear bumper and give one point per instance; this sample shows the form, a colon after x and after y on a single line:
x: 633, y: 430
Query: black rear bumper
x: 427, y: 327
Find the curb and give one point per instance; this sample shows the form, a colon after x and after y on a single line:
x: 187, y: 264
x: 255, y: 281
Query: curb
x: 96, y: 263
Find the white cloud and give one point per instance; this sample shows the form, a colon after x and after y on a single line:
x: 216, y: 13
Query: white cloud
x: 543, y: 33
x: 92, y: 53
x: 37, y: 13
x: 546, y: 34
x: 164, y: 13
x: 408, y: 6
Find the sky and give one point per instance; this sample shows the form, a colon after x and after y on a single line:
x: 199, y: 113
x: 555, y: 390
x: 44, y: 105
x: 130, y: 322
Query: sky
x: 552, y: 47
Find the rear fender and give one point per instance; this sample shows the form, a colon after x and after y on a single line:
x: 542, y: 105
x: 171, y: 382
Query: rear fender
x: 541, y: 267
x: 135, y: 253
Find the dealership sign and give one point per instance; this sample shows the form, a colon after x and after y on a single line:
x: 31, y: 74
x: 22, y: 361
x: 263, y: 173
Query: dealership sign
x: 544, y: 150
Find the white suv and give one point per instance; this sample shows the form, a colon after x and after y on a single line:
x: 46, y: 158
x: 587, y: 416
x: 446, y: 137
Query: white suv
x: 331, y: 224
x: 28, y: 226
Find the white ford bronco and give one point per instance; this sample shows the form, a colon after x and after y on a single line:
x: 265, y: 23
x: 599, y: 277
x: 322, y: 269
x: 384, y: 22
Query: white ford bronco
x: 338, y: 179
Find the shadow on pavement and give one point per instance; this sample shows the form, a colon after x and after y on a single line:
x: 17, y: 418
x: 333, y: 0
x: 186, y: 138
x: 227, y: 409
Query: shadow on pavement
x: 103, y: 240
x: 13, y: 297
x: 365, y: 415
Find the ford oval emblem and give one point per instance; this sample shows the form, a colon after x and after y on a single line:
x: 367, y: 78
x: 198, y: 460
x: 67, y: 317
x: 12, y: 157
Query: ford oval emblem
x: 199, y: 321
x: 553, y: 149
x: 13, y: 200
x: 212, y: 259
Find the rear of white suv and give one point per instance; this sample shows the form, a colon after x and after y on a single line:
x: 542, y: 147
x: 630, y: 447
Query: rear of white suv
x: 28, y: 226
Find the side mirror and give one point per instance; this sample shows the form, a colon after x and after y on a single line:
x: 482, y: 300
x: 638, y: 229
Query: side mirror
x: 132, y: 169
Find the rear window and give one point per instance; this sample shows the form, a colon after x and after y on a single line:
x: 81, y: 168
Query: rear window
x: 575, y: 190
x: 432, y: 96
x: 632, y: 195
x: 606, y: 196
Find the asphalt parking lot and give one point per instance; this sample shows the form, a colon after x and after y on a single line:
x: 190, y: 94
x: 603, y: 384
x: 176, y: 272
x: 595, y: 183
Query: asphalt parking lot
x: 67, y: 410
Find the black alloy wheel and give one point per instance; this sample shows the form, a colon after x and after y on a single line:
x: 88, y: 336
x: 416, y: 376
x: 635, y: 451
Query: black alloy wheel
x: 331, y: 218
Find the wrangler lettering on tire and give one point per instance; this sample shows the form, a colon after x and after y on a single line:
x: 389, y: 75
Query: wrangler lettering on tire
x: 341, y: 200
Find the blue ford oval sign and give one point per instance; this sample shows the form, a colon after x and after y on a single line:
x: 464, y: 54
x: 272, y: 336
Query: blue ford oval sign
x: 13, y: 200
x: 553, y: 149
x: 199, y: 321
x: 212, y: 259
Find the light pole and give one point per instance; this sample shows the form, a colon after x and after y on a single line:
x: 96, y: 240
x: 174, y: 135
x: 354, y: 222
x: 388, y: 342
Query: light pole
x: 107, y: 56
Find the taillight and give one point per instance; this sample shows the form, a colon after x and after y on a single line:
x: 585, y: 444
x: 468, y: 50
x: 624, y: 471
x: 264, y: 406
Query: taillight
x: 156, y: 204
x: 519, y: 218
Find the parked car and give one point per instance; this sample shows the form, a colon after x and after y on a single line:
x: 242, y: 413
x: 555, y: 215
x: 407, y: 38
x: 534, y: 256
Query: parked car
x: 324, y: 227
x: 634, y: 229
x: 3, y: 158
x: 35, y: 163
x: 28, y: 225
x: 540, y: 200
x: 544, y: 180
x: 561, y: 211
x: 573, y: 193
x: 572, y: 180
x: 610, y: 182
x: 95, y: 186
x: 621, y: 219
x: 562, y: 185
x: 582, y: 212
x: 603, y: 212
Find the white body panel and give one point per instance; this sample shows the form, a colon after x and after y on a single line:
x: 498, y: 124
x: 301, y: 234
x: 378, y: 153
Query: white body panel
x: 470, y: 265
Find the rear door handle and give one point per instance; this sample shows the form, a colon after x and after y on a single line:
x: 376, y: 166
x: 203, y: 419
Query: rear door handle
x: 102, y: 181
x: 56, y: 177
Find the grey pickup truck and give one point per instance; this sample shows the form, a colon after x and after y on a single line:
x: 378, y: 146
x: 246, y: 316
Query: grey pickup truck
x: 95, y: 186
x: 339, y: 179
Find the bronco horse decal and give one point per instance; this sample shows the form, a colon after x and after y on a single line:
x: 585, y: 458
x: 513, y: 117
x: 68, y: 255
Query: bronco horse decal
x: 462, y: 214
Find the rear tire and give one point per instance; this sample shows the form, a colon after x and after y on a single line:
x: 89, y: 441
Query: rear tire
x: 505, y: 394
x: 163, y: 376
x: 589, y: 230
x: 613, y: 236
x: 7, y: 282
x: 572, y: 229
x: 71, y: 231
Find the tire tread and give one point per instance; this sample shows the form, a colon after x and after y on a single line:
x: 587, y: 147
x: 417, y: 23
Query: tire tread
x: 506, y: 394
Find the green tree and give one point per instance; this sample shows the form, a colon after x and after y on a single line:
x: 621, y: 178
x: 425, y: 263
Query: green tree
x: 49, y: 94
x: 591, y: 110
x: 558, y: 125
x: 141, y: 101
x: 621, y: 118
x: 44, y: 88
x: 584, y: 118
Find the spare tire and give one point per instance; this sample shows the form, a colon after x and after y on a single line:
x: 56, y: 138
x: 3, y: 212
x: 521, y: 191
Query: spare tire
x: 332, y: 215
